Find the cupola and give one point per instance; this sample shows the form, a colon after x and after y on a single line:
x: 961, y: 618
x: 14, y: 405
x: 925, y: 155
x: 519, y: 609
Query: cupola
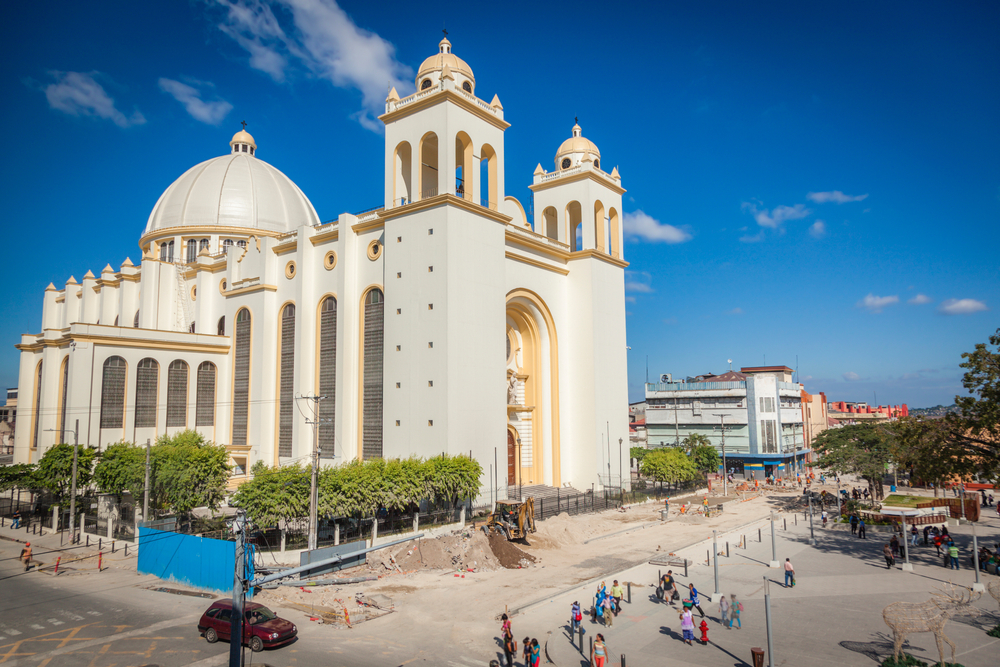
x: 242, y: 142
x: 577, y: 149
x: 443, y: 63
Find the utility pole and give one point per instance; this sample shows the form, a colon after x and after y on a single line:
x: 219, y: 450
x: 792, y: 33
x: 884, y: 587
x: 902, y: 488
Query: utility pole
x: 239, y: 593
x: 72, y: 498
x: 725, y: 470
x: 145, y: 493
x: 314, y: 483
x: 621, y: 480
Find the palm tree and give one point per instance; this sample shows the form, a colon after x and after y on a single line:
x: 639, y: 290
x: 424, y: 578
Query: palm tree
x: 694, y: 441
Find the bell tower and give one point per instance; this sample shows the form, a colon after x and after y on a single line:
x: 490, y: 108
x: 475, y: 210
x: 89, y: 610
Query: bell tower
x: 444, y: 266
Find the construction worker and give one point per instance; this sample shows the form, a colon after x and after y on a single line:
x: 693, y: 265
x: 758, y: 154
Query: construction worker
x: 26, y: 555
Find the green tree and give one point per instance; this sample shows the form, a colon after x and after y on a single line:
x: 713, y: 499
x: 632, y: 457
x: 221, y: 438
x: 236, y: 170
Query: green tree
x: 54, y: 472
x: 706, y: 458
x: 274, y: 494
x: 694, y: 441
x: 19, y: 475
x: 453, y: 479
x: 637, y: 453
x: 864, y: 450
x: 121, y: 468
x: 974, y: 432
x: 669, y: 464
x: 189, y: 471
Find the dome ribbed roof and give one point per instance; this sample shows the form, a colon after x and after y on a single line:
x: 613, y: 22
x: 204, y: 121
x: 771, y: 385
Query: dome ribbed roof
x: 443, y: 57
x: 236, y: 190
x: 577, y: 144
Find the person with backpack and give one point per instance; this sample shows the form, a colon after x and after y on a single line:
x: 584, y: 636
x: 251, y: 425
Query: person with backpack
x: 724, y: 611
x: 952, y: 555
x: 861, y: 529
x: 854, y: 524
x: 735, y: 608
x: 526, y: 651
x: 17, y: 519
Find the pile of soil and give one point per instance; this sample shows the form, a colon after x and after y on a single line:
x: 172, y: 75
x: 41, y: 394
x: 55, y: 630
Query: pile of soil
x: 465, y: 551
x: 508, y: 554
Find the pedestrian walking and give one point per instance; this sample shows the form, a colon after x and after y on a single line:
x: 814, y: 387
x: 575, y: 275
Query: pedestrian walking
x: 536, y: 653
x: 724, y: 611
x: 952, y: 555
x: 735, y: 608
x: 687, y: 623
x: 789, y: 573
x: 927, y: 532
x: 823, y: 516
x: 509, y: 649
x: 915, y: 535
x: 526, y: 651
x: 609, y: 612
x: 854, y: 524
x: 505, y: 625
x: 616, y: 596
x: 599, y: 652
x: 894, y: 545
x: 575, y: 616
x: 695, y: 601
x: 861, y: 529
x: 26, y: 555
x: 17, y: 519
x: 669, y: 587
x: 889, y: 559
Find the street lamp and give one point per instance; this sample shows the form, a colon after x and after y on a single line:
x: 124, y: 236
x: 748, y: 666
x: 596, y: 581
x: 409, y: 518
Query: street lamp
x: 72, y: 497
x: 621, y: 480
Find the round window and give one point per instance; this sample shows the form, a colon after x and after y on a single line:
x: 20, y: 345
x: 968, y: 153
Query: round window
x: 330, y: 260
x: 467, y: 87
x: 222, y: 286
x: 565, y: 163
x: 425, y: 84
x: 290, y: 270
x: 374, y: 250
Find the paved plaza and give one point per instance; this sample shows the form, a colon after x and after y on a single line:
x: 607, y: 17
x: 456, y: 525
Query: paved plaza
x: 832, y: 616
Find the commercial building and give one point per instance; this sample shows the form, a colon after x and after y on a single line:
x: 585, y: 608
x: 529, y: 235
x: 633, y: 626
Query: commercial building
x: 756, y: 410
x: 443, y: 320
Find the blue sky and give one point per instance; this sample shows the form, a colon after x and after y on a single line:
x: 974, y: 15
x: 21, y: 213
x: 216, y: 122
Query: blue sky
x: 805, y: 181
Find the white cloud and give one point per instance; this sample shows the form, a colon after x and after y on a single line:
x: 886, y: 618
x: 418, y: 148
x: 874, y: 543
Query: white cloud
x: 920, y: 300
x: 851, y: 376
x: 79, y: 94
x: 836, y: 197
x: 735, y: 311
x: 630, y: 299
x: 207, y: 112
x: 875, y: 304
x: 817, y: 229
x: 962, y: 306
x: 756, y: 238
x: 326, y: 41
x: 644, y: 226
x: 773, y: 219
x: 639, y: 281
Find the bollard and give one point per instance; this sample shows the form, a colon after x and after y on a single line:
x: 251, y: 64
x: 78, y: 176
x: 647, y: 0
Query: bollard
x: 629, y: 586
x: 759, y: 538
x: 580, y: 632
x: 88, y: 540
x: 623, y: 660
x: 796, y: 519
x: 100, y: 557
x: 727, y: 549
x: 56, y: 571
x: 99, y: 545
x: 685, y: 568
x: 708, y: 557
x: 112, y: 546
x: 126, y: 549
x: 786, y: 523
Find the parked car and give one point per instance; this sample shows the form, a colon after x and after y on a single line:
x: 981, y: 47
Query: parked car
x: 262, y: 628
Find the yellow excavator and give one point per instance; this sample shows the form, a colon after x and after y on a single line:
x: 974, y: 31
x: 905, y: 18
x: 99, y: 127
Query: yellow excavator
x: 513, y: 519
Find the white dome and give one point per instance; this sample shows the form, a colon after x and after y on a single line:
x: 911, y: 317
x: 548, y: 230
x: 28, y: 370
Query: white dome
x: 236, y: 190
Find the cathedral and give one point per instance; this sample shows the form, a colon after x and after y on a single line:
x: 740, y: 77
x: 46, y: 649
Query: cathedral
x: 446, y: 320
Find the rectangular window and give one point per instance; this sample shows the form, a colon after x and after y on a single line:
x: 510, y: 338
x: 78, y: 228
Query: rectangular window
x: 767, y: 404
x: 430, y: 306
x: 430, y: 231
x: 430, y: 269
x: 399, y: 274
x: 397, y: 422
x: 430, y: 383
x: 399, y: 311
x: 397, y: 385
x: 431, y: 344
x: 398, y: 348
x: 770, y: 439
x: 399, y: 239
x: 430, y: 422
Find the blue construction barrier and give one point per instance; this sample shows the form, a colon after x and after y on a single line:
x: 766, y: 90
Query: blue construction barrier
x: 187, y: 559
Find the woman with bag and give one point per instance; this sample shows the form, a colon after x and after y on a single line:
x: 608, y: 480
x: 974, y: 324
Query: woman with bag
x: 599, y: 652
x: 735, y: 608
x: 575, y: 616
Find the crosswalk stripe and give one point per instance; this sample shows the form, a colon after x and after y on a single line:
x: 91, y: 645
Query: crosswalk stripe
x: 55, y: 621
x: 37, y: 627
x: 11, y: 632
x: 70, y: 615
x: 94, y: 613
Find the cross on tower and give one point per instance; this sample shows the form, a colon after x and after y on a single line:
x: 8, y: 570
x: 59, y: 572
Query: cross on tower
x: 445, y: 31
x: 576, y: 120
x: 244, y: 124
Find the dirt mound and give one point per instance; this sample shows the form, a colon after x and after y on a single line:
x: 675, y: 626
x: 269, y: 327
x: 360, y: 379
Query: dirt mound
x: 449, y: 552
x: 509, y: 555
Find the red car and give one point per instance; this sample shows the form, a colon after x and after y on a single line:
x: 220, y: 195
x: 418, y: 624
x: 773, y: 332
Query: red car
x: 262, y: 628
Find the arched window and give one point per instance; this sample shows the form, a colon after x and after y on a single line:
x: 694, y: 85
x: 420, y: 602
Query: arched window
x: 203, y: 245
x: 222, y: 326
x: 38, y: 406
x: 372, y: 352
x: 574, y: 219
x: 204, y: 412
x: 600, y: 231
x: 286, y: 379
x: 177, y: 389
x: 135, y: 321
x: 192, y: 250
x: 614, y: 230
x: 403, y: 173
x: 428, y: 186
x: 489, y: 196
x: 226, y: 245
x: 64, y: 393
x: 241, y: 244
x: 551, y: 223
x: 327, y: 373
x: 241, y: 377
x: 113, y: 393
x: 464, y: 172
x: 147, y: 375
x: 167, y: 251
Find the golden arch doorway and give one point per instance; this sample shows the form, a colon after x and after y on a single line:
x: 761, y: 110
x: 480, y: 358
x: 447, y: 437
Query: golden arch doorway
x: 511, y: 459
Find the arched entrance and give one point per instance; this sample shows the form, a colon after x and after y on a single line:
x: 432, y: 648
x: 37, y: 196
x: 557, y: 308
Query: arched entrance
x: 532, y: 391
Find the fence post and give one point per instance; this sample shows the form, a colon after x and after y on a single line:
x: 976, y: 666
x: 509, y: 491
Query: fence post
x: 55, y: 518
x: 416, y: 522
x: 786, y: 523
x: 336, y: 534
x: 542, y: 505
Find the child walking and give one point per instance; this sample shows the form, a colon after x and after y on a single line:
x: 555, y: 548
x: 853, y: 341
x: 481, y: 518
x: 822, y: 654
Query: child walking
x: 735, y: 608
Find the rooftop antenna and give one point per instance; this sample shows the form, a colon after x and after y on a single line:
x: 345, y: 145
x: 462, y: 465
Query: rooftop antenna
x: 647, y: 368
x: 730, y: 364
x: 797, y: 375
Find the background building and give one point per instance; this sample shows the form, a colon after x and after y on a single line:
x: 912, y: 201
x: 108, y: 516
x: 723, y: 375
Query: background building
x: 443, y: 320
x: 757, y: 409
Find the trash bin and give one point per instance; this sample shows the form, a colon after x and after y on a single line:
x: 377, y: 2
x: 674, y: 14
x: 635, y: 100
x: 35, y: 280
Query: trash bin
x: 758, y: 656
x: 892, y: 488
x: 663, y: 515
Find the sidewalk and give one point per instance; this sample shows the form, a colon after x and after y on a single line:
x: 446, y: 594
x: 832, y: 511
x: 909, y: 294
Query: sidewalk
x: 832, y: 616
x: 75, y: 558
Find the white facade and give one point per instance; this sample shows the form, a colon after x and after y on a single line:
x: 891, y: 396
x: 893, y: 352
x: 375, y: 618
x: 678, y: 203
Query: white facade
x: 398, y: 318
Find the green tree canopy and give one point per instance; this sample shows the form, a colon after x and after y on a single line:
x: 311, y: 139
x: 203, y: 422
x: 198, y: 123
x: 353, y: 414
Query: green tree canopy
x: 706, y: 458
x: 121, y: 468
x: 188, y: 471
x: 637, y: 453
x: 864, y: 450
x: 694, y: 441
x: 19, y: 475
x: 274, y: 494
x: 54, y: 471
x: 669, y: 464
x: 453, y: 478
